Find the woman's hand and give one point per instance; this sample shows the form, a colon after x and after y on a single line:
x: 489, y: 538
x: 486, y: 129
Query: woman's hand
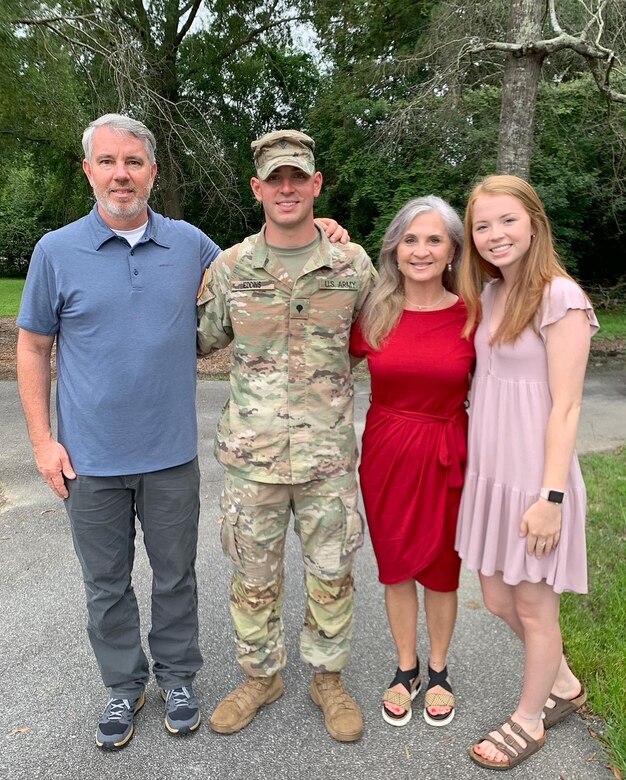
x: 541, y: 525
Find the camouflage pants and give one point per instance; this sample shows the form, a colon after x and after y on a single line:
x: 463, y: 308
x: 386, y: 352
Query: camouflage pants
x: 255, y: 519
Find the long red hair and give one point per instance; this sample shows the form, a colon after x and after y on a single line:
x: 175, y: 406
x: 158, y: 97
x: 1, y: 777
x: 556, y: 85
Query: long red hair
x: 538, y: 268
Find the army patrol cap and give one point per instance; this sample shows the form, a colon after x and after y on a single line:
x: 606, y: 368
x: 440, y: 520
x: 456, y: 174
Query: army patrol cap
x: 283, y: 147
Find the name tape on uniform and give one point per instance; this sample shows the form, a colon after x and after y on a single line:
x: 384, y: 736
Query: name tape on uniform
x: 253, y: 284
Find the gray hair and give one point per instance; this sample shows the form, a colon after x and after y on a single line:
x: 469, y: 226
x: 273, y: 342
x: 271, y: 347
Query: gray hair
x: 123, y: 124
x: 384, y: 305
x: 400, y: 224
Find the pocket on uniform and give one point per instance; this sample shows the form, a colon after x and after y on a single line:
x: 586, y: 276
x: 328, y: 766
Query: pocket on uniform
x: 339, y: 532
x: 228, y: 520
x: 353, y: 539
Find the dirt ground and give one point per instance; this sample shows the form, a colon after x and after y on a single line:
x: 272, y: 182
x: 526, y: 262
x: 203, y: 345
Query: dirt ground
x: 214, y: 367
x: 605, y: 355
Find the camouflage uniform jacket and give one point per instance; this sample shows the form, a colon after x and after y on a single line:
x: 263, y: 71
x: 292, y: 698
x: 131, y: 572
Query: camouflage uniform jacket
x: 290, y: 414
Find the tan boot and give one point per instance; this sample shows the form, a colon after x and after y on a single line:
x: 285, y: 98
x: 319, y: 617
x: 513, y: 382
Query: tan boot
x: 239, y: 707
x: 342, y: 716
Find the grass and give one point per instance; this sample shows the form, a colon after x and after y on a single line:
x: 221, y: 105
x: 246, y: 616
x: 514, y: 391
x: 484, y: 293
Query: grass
x: 612, y: 324
x: 594, y: 626
x: 10, y: 294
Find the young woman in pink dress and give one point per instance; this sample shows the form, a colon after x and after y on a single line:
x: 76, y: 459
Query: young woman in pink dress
x: 522, y: 517
x: 415, y: 441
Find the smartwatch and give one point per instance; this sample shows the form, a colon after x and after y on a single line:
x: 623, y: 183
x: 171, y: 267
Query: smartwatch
x: 553, y: 496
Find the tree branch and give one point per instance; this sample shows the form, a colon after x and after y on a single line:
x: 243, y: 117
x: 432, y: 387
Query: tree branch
x: 23, y: 135
x: 192, y: 15
x: 50, y: 24
x: 254, y: 34
x: 600, y: 19
x: 602, y: 81
x: 544, y: 47
x: 133, y: 23
x: 553, y: 18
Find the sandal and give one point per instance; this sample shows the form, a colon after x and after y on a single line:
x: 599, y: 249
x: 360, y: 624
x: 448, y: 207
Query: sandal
x: 562, y: 708
x: 508, y: 745
x: 438, y: 699
x: 412, y: 681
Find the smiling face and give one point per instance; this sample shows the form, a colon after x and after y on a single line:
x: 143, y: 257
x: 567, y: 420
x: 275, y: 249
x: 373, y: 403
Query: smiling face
x: 121, y: 176
x: 288, y: 195
x: 424, y: 251
x: 501, y: 231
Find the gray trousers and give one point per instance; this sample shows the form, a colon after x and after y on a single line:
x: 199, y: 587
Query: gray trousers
x: 102, y: 513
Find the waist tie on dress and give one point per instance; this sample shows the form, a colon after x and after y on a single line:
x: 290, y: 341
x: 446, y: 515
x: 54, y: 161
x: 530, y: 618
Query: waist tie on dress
x: 450, y: 455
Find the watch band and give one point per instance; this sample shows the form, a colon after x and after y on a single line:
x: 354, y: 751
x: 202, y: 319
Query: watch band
x: 553, y: 496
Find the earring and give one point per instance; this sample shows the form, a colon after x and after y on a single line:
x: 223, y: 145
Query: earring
x: 532, y: 235
x: 449, y: 268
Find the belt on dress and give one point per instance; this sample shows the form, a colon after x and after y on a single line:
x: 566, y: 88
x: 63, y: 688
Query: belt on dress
x: 449, y: 455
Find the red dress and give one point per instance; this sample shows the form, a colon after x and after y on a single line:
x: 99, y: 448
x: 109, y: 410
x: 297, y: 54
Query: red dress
x: 415, y: 445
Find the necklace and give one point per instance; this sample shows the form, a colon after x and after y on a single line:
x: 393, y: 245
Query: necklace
x: 430, y: 305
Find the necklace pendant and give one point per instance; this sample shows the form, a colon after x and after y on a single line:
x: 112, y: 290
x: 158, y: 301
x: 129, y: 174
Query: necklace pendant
x: 427, y: 306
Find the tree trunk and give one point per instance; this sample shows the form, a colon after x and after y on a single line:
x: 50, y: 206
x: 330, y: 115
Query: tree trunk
x: 170, y: 184
x: 519, y: 89
x: 165, y: 84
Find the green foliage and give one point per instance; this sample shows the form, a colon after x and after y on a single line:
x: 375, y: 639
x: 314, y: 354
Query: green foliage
x: 44, y: 94
x: 43, y: 100
x: 579, y: 176
x: 593, y: 625
x: 355, y: 31
x: 354, y: 89
x: 38, y: 192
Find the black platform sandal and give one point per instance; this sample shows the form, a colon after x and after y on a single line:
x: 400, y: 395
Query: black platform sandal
x: 438, y: 699
x: 412, y: 682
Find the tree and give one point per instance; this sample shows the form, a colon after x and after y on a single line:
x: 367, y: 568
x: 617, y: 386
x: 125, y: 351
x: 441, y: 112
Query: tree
x: 463, y: 39
x: 378, y: 145
x: 135, y: 47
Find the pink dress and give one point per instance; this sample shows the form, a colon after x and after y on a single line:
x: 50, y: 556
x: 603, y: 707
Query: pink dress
x: 510, y: 406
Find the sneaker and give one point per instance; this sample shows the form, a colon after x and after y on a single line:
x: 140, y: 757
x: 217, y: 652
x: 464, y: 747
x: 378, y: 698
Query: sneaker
x: 239, y: 707
x: 342, y: 716
x: 182, y: 711
x: 115, y: 729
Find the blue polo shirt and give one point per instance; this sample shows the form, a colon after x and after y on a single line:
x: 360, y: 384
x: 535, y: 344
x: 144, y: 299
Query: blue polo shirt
x: 125, y: 321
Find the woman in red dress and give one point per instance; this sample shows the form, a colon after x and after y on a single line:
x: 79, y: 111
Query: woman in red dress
x: 414, y: 444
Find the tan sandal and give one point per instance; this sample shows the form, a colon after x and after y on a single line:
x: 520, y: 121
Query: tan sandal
x: 412, y: 682
x: 442, y: 680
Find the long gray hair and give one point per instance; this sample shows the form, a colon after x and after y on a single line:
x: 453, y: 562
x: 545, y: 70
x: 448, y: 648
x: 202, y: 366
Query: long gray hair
x: 123, y: 124
x: 385, y: 304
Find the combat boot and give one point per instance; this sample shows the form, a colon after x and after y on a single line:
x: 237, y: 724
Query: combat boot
x: 342, y: 716
x: 239, y: 707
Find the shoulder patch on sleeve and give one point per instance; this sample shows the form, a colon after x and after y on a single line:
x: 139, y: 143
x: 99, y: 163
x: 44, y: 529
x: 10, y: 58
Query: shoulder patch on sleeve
x: 205, y: 292
x: 203, y: 283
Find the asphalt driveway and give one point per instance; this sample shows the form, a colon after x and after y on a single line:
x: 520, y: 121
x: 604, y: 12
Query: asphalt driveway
x: 52, y: 696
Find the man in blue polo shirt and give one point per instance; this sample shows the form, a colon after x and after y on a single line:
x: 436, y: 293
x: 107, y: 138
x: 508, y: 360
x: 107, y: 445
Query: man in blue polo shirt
x: 117, y: 290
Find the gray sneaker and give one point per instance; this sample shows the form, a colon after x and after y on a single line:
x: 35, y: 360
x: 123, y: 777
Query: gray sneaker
x: 115, y: 729
x: 182, y: 711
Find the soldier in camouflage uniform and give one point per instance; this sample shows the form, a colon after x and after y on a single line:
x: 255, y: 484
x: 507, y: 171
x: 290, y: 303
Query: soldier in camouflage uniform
x: 287, y: 297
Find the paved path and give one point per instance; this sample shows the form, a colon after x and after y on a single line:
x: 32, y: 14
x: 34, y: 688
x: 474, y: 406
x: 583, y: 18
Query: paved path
x: 52, y: 694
